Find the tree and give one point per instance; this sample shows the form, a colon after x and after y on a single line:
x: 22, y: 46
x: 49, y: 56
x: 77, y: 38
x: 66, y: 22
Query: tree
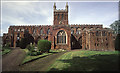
x: 116, y: 27
x: 29, y: 37
x: 26, y: 40
x: 117, y: 42
x: 23, y: 43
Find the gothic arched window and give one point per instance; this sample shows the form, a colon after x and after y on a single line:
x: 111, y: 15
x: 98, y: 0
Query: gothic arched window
x: 61, y: 37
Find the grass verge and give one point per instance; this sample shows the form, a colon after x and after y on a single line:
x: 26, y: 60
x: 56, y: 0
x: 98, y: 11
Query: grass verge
x: 87, y: 61
x: 5, y: 50
x: 29, y: 58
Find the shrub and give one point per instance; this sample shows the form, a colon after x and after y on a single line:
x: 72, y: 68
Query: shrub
x: 44, y: 45
x: 117, y: 42
x: 23, y: 43
x: 32, y: 53
x: 7, y: 45
x: 26, y: 40
x: 29, y: 37
x: 31, y: 47
x: 39, y: 53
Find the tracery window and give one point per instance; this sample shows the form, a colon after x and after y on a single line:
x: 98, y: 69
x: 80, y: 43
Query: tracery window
x: 61, y: 37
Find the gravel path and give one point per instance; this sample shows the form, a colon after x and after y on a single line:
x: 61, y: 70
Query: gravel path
x: 11, y: 61
x: 41, y: 64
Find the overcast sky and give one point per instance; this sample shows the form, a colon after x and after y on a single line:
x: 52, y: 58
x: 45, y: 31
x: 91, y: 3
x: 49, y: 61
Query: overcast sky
x: 41, y: 13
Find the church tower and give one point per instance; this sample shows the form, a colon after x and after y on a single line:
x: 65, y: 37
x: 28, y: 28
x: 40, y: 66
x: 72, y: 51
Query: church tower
x: 60, y: 16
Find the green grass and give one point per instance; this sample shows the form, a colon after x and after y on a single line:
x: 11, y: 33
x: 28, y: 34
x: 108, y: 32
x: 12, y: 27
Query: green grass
x: 56, y: 51
x: 6, y: 50
x: 29, y: 58
x: 86, y: 61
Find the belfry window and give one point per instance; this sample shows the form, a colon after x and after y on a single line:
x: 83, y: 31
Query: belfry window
x: 61, y: 37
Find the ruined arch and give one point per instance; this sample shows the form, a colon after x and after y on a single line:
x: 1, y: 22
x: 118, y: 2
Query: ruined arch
x: 76, y: 43
x: 80, y: 42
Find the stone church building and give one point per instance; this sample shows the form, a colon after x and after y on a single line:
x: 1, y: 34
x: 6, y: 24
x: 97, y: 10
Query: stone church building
x: 64, y: 35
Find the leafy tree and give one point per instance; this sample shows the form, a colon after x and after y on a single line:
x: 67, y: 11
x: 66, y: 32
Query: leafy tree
x: 26, y: 40
x: 29, y: 37
x: 117, y: 42
x: 116, y: 27
x: 23, y: 43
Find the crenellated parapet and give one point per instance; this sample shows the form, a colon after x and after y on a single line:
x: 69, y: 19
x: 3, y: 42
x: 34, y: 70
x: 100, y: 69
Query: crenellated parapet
x: 86, y: 26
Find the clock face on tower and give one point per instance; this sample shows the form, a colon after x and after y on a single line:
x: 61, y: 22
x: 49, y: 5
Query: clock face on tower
x: 60, y: 22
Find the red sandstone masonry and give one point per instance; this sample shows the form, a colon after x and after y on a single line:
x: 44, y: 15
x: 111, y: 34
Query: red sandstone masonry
x: 87, y: 37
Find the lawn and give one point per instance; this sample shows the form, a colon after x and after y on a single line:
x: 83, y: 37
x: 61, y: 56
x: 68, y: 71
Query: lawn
x: 87, y: 61
x: 29, y: 58
x: 5, y: 50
